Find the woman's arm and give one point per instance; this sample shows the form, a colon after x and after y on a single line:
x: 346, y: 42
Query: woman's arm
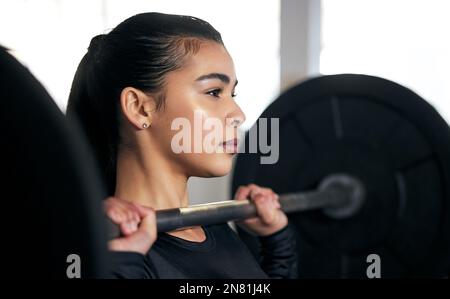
x: 279, y: 254
x: 138, y: 228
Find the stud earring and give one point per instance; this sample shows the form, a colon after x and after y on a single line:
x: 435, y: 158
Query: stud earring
x: 144, y: 125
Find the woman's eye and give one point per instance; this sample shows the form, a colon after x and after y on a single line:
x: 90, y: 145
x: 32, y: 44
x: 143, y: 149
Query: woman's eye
x: 214, y: 93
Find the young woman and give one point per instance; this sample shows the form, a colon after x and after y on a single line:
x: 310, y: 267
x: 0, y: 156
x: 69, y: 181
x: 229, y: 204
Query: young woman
x: 129, y: 88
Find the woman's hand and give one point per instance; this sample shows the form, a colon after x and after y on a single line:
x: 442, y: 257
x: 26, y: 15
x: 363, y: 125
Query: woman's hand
x: 137, y: 225
x: 270, y: 217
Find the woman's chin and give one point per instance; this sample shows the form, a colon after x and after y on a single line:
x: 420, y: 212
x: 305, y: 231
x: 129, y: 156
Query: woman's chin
x: 220, y: 166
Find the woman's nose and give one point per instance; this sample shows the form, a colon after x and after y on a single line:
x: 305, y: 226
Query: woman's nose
x: 236, y: 119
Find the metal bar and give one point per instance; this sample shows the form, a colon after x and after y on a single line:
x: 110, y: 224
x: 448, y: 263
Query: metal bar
x: 232, y: 210
x: 337, y: 194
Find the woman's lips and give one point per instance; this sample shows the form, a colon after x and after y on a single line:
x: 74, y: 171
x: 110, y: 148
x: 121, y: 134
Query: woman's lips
x: 230, y: 146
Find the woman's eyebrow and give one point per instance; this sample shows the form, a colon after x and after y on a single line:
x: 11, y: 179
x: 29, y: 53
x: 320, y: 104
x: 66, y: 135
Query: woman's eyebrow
x: 222, y: 77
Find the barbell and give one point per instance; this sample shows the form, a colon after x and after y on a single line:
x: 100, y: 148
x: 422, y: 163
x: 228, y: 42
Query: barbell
x: 339, y: 196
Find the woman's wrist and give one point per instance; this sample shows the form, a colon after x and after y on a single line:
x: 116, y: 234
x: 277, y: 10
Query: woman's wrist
x: 275, y: 233
x: 280, y: 224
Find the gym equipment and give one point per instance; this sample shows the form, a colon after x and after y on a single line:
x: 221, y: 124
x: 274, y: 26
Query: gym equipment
x: 339, y: 196
x: 51, y: 191
x: 391, y: 140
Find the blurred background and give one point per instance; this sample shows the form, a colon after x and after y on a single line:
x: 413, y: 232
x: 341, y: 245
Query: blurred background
x: 274, y: 43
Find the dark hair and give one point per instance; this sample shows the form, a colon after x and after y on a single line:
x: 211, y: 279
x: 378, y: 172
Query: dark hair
x: 138, y: 53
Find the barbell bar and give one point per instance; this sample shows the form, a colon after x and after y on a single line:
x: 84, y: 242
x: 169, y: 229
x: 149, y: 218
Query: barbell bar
x: 339, y: 195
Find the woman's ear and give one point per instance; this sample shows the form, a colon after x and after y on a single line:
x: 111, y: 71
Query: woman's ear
x: 137, y: 107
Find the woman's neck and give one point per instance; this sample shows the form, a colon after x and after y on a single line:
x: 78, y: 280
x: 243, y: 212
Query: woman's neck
x: 153, y: 183
x: 149, y: 181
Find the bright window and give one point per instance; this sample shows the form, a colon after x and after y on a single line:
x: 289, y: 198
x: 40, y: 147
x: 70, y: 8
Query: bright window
x: 407, y: 41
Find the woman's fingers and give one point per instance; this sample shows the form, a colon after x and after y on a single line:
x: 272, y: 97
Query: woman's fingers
x: 265, y: 208
x: 242, y: 192
x: 127, y: 228
x: 265, y: 199
x: 143, y: 210
x: 270, y: 217
x: 252, y: 190
x: 249, y: 191
x: 125, y: 215
x: 148, y: 226
x: 140, y: 240
x: 137, y: 225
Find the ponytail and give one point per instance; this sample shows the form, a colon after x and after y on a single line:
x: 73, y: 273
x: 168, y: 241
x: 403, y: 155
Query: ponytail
x: 94, y: 114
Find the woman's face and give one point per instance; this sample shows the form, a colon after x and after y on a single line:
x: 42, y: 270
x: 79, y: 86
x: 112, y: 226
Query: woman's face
x: 200, y: 114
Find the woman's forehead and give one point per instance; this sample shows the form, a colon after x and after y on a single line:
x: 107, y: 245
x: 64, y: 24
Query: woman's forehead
x: 211, y: 58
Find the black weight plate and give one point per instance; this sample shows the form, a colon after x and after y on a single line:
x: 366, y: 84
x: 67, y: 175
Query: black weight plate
x: 395, y: 143
x: 51, y: 192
